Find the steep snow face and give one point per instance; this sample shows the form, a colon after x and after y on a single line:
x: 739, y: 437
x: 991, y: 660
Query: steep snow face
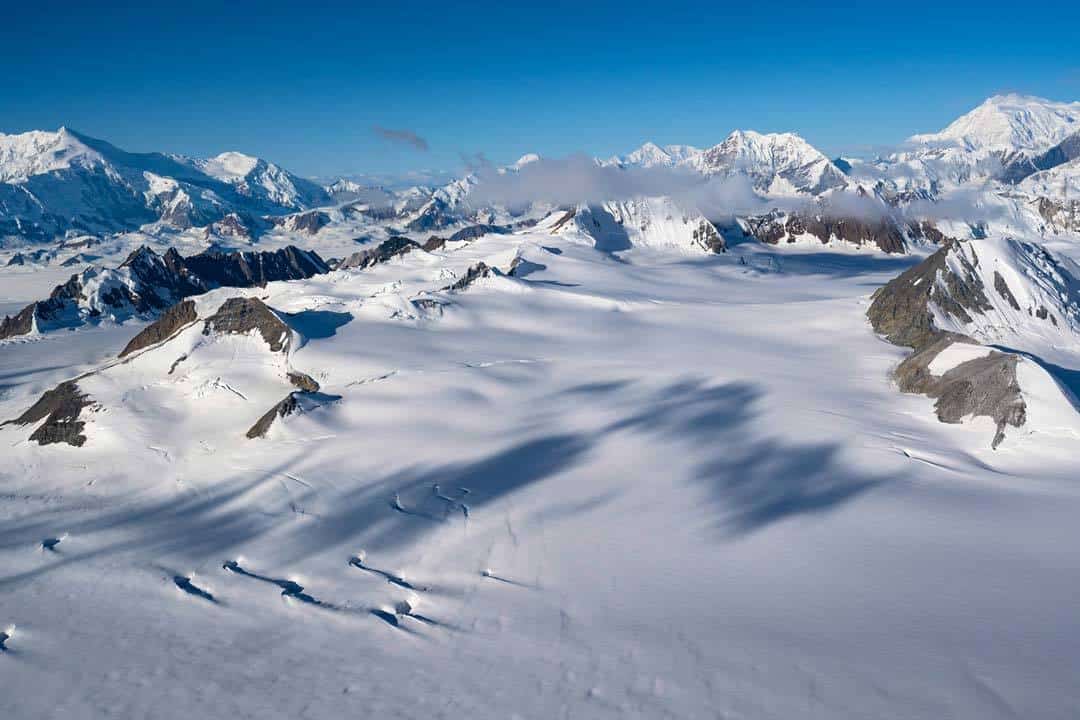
x: 261, y: 180
x: 1009, y: 292
x: 658, y: 223
x: 1004, y: 140
x: 1052, y: 197
x: 776, y: 163
x: 1060, y: 183
x: 38, y: 152
x: 652, y: 155
x: 1010, y: 123
x: 51, y: 183
x: 230, y: 166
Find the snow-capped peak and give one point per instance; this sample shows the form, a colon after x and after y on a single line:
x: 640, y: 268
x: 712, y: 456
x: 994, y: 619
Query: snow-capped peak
x: 1010, y: 123
x: 257, y: 178
x: 775, y: 162
x: 652, y: 155
x: 230, y: 166
x: 40, y: 151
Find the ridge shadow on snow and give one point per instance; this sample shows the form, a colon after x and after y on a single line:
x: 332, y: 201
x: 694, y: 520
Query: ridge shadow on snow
x: 317, y: 324
x: 844, y: 265
x: 751, y: 482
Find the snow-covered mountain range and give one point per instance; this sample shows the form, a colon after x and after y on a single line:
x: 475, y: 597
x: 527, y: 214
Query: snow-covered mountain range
x: 63, y: 182
x: 1016, y: 153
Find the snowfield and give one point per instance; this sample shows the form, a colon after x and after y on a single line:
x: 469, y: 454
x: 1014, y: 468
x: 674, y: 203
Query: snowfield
x: 635, y: 485
x: 619, y: 458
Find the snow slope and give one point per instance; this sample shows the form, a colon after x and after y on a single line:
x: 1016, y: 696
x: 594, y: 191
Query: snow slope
x: 633, y: 484
x: 1010, y: 123
x: 583, y: 468
x: 53, y: 183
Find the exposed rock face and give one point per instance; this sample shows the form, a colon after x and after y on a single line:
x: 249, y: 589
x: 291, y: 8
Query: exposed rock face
x: 18, y: 324
x: 248, y: 269
x: 1003, y: 290
x: 707, y: 237
x: 434, y: 243
x: 240, y: 316
x: 171, y: 321
x: 562, y: 221
x: 474, y: 231
x: 60, y: 409
x: 283, y: 409
x: 901, y: 310
x: 778, y: 227
x: 985, y: 386
x: 477, y: 271
x: 949, y: 286
x: 147, y: 283
x: 396, y: 245
x: 1060, y: 215
x: 1022, y: 166
x: 310, y: 222
x: 303, y: 381
x: 436, y: 214
x: 232, y: 225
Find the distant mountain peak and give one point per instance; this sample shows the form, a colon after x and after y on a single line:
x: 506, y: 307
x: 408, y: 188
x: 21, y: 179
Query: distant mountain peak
x: 1010, y: 123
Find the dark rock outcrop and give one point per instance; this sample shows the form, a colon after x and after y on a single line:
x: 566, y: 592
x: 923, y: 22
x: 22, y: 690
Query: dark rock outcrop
x: 172, y: 320
x: 900, y: 310
x: 310, y: 222
x: 1003, y: 290
x: 147, y: 283
x: 232, y: 225
x: 239, y: 316
x: 394, y: 246
x: 477, y: 271
x: 250, y: 269
x: 303, y: 381
x: 1020, y: 166
x: 283, y: 409
x: 434, y: 243
x: 474, y: 231
x: 777, y: 227
x: 60, y: 409
x: 435, y: 215
x: 19, y: 324
x: 562, y: 221
x: 706, y: 235
x: 986, y: 386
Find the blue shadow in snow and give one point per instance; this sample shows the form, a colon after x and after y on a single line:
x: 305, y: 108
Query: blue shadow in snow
x: 318, y: 324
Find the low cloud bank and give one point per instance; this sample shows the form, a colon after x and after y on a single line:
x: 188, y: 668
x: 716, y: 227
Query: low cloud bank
x: 579, y: 179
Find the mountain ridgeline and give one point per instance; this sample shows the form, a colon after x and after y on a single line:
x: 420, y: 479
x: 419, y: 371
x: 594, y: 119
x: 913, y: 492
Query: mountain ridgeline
x: 147, y: 283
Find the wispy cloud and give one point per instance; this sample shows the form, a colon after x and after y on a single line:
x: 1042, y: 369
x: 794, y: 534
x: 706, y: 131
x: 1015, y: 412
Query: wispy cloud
x: 406, y: 137
x: 577, y: 179
x: 580, y: 179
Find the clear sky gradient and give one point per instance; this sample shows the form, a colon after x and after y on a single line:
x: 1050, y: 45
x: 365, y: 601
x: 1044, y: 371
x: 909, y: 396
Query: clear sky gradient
x: 307, y: 84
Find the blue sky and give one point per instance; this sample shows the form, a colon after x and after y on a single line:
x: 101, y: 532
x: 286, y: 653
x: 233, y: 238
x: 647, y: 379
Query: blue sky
x: 305, y: 84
